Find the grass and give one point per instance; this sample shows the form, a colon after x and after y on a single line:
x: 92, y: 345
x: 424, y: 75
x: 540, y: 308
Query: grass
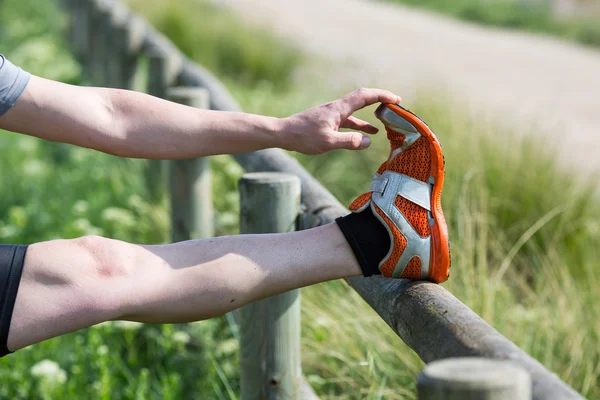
x: 523, y: 234
x: 533, y: 16
x: 221, y: 42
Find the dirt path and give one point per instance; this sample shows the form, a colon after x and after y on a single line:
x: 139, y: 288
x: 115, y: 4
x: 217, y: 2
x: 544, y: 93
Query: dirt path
x: 550, y: 84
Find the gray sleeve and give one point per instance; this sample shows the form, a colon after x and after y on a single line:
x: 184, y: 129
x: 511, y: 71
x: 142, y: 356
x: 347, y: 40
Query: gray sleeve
x: 13, y: 81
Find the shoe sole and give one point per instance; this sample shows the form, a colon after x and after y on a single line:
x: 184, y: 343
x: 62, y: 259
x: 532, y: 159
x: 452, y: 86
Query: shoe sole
x: 439, y: 268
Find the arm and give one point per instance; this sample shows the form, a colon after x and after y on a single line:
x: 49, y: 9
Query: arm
x: 131, y: 124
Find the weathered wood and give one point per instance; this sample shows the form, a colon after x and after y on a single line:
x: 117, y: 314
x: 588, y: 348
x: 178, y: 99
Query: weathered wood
x: 270, y: 328
x: 163, y: 70
x: 109, y: 53
x: 190, y: 181
x: 98, y: 52
x: 78, y: 26
x: 126, y: 38
x: 473, y: 378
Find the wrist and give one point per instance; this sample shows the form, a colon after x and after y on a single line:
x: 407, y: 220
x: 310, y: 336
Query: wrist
x: 283, y: 135
x: 277, y: 133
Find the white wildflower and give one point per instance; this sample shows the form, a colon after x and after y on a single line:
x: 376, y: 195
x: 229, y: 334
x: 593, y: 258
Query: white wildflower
x: 323, y: 321
x: 49, y: 371
x: 119, y: 215
x: 80, y: 207
x: 102, y: 350
x: 33, y: 168
x: 181, y: 337
x: 228, y: 219
x: 7, y: 231
x: 28, y: 145
x: 229, y: 346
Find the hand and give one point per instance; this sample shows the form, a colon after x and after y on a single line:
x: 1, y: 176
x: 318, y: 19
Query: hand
x: 316, y: 130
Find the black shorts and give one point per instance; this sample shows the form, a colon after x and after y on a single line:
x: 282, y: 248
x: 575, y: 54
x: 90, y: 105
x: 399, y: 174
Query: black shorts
x: 12, y: 258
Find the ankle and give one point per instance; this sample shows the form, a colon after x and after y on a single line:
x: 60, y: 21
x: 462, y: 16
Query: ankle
x: 368, y: 239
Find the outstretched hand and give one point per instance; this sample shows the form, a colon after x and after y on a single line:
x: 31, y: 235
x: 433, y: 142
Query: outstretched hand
x: 316, y: 130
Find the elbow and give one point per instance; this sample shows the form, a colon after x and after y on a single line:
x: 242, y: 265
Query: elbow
x: 111, y: 124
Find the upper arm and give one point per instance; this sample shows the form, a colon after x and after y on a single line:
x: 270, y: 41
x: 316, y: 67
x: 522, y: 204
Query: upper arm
x: 13, y: 81
x: 53, y: 110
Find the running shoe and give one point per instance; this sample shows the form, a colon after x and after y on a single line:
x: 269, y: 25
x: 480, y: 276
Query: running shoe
x: 405, y: 195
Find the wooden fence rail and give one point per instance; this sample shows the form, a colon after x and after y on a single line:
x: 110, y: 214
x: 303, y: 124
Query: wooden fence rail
x: 428, y: 318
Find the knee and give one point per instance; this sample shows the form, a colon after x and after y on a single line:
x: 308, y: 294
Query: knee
x: 105, y: 258
x: 108, y: 268
x: 76, y: 277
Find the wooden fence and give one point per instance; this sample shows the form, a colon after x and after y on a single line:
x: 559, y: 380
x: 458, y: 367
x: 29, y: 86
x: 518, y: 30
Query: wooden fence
x: 116, y: 48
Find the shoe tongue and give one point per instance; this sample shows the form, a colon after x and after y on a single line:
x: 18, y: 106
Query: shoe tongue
x: 396, y: 138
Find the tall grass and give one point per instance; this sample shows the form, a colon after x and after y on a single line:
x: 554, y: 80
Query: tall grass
x: 523, y: 234
x: 534, y: 16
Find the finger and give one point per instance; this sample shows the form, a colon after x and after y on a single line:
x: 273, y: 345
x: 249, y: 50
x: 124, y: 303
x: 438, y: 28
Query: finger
x: 351, y: 141
x: 365, y: 97
x: 359, y: 124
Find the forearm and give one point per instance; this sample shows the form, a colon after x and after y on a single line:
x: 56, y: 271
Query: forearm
x: 148, y: 127
x: 131, y: 124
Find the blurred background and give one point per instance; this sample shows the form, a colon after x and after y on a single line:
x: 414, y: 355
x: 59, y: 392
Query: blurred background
x: 509, y: 86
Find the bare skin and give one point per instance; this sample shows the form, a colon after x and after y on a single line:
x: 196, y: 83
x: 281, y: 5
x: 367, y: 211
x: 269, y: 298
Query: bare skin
x: 72, y: 284
x: 131, y: 124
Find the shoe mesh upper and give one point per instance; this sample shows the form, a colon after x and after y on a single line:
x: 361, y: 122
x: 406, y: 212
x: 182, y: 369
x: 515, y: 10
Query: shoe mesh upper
x: 415, y: 215
x: 414, y: 161
x: 360, y: 201
x: 413, y: 269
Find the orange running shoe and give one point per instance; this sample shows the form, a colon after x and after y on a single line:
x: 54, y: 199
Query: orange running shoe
x: 405, y: 196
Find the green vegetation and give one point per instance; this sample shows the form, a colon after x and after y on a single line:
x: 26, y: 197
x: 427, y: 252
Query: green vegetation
x: 534, y: 16
x: 221, y: 42
x: 523, y: 233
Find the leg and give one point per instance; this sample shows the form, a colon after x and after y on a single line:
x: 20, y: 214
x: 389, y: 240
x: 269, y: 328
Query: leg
x: 71, y: 284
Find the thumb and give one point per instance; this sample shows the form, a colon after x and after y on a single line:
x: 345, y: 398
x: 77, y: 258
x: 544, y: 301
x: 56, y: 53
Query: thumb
x: 352, y: 141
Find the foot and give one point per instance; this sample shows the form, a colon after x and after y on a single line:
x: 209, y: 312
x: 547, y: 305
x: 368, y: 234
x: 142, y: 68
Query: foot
x: 405, y: 196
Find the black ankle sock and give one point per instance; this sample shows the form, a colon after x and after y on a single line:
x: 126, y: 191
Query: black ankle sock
x: 368, y: 239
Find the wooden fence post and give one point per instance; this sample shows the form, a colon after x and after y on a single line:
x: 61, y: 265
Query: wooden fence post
x: 475, y: 379
x: 109, y: 14
x: 98, y: 50
x: 78, y: 27
x: 190, y: 181
x: 270, y: 328
x: 127, y: 39
x: 163, y: 70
